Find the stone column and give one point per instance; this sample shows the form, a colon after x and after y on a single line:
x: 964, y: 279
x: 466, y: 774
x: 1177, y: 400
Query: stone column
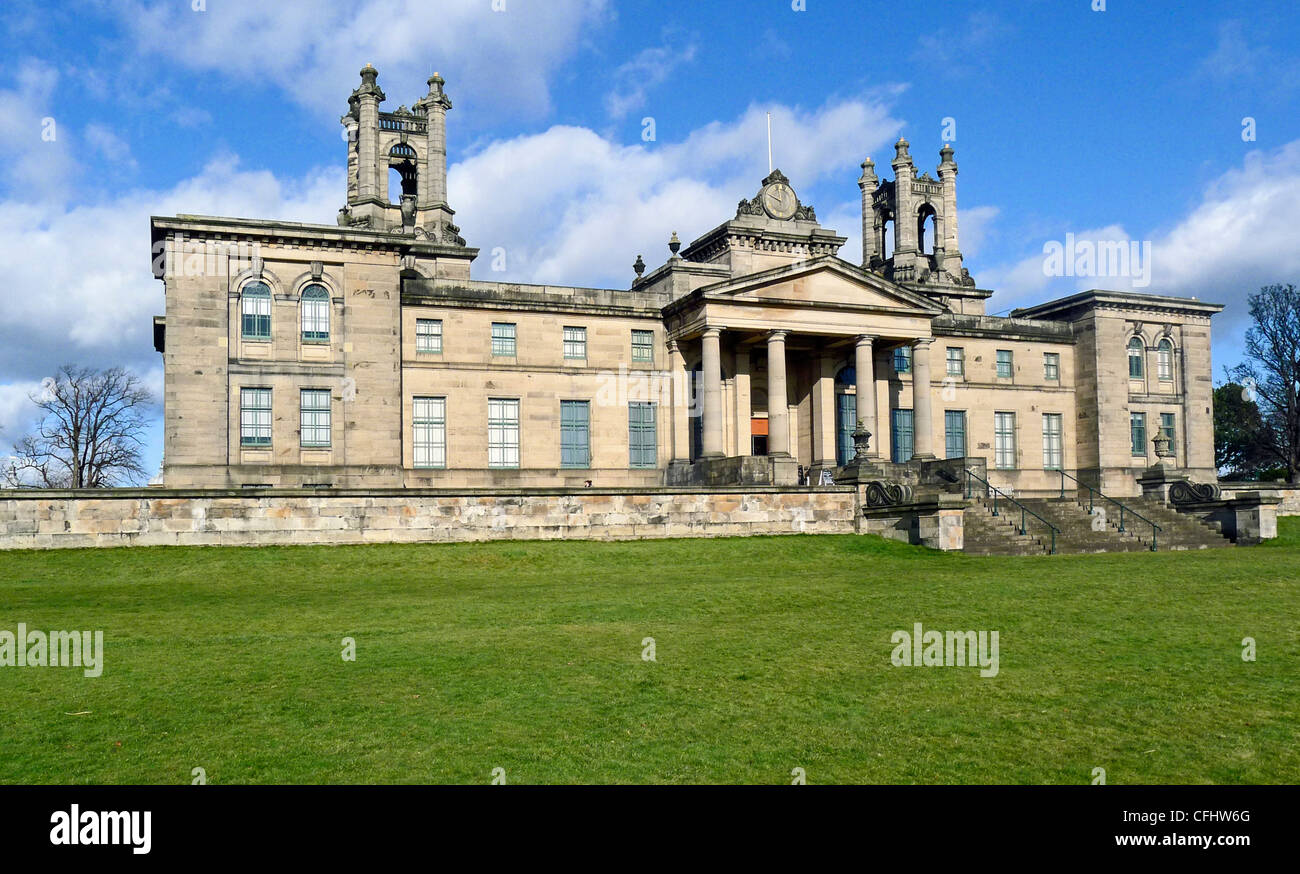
x: 864, y: 365
x: 681, y: 409
x: 744, y: 408
x: 823, y: 413
x: 711, y: 407
x: 778, y: 405
x: 923, y: 421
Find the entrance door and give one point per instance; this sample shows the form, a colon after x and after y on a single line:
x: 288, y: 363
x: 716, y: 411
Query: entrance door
x: 846, y: 419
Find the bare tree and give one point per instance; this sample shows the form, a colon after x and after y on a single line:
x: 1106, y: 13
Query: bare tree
x: 88, y: 434
x: 1271, y: 372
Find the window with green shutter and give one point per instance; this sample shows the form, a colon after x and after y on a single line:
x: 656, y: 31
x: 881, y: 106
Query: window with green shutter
x: 575, y: 434
x: 642, y: 439
x: 1137, y: 428
x: 954, y: 433
x: 643, y: 346
x: 1167, y: 428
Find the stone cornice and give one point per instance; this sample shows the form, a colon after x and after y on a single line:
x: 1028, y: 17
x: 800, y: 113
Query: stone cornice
x: 220, y: 228
x: 1125, y: 301
x: 531, y: 298
x: 995, y: 327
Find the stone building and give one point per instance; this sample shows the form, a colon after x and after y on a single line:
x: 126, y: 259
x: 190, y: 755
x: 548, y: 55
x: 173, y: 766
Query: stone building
x: 363, y: 354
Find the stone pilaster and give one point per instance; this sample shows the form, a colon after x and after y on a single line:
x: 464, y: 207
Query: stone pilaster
x: 923, y: 419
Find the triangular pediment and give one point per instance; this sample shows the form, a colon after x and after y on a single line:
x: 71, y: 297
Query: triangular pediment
x: 829, y: 282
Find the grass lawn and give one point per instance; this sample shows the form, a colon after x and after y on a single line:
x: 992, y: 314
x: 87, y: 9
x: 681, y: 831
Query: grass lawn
x: 772, y: 653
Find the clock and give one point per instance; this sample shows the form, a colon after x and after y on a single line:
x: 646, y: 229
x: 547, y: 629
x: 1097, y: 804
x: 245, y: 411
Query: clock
x: 779, y: 201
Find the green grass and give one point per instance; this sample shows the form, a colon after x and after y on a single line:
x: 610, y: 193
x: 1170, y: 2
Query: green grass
x: 773, y: 653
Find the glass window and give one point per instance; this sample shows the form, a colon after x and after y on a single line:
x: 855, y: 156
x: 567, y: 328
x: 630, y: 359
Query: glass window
x: 575, y: 343
x: 429, y: 417
x: 255, y: 304
x: 315, y: 314
x: 1167, y: 428
x: 1137, y: 428
x: 1165, y: 360
x: 902, y: 436
x: 1135, y: 352
x: 315, y: 417
x: 903, y: 359
x: 643, y: 346
x: 642, y: 438
x: 1052, y: 366
x: 255, y: 417
x: 503, y: 338
x: 956, y: 361
x: 1004, y: 440
x: 954, y: 433
x: 575, y: 434
x: 428, y: 335
x: 1052, y: 443
x: 503, y: 432
x: 1004, y: 364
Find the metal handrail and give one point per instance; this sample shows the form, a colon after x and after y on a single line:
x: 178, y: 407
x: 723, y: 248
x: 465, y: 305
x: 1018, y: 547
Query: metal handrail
x: 1155, y: 529
x: 995, y: 493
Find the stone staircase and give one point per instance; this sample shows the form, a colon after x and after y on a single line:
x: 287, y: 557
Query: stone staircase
x: 1080, y: 532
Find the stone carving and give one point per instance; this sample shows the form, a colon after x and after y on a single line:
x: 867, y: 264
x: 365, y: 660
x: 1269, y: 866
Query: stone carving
x: 1187, y: 492
x: 881, y: 493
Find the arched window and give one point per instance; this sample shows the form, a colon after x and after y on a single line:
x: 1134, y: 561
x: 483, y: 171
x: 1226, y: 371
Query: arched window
x: 315, y: 314
x: 1165, y: 359
x: 1135, y: 351
x: 255, y: 305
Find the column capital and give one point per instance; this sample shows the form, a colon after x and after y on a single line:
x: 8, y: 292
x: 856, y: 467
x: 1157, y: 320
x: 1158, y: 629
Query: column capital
x: 777, y: 335
x: 866, y: 339
x: 713, y: 331
x: 922, y: 341
x: 672, y: 345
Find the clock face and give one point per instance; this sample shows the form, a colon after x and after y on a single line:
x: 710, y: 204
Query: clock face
x: 779, y: 200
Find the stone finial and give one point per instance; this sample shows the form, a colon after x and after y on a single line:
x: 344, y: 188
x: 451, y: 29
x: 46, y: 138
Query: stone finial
x: 369, y: 75
x: 639, y: 266
x: 436, y: 95
x: 901, y: 155
x: 674, y: 244
x: 945, y: 156
x: 868, y: 173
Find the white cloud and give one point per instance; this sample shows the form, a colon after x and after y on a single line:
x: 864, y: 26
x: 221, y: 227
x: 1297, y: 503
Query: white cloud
x: 35, y: 157
x: 570, y: 206
x: 499, y: 61
x: 110, y: 146
x: 651, y: 67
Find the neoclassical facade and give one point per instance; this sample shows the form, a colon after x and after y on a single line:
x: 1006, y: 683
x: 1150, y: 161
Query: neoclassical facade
x: 363, y: 354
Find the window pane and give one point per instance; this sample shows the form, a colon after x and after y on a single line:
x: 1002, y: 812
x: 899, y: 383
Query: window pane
x: 1051, y: 366
x: 575, y: 434
x: 1004, y: 440
x: 575, y: 343
x: 315, y: 314
x: 1004, y: 363
x: 1052, y: 443
x: 1165, y: 360
x: 643, y: 346
x: 429, y: 418
x: 955, y: 361
x: 255, y: 416
x: 503, y: 432
x: 1135, y: 350
x: 903, y: 359
x: 1167, y: 428
x: 642, y: 440
x: 428, y: 335
x: 902, y: 435
x: 255, y: 303
x: 1138, y: 433
x: 314, y: 426
x: 954, y: 433
x: 503, y: 338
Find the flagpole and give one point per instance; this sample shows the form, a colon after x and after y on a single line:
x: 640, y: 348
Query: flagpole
x: 769, y: 142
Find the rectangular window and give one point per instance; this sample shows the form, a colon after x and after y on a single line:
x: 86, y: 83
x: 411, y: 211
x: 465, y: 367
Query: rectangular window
x: 1053, y: 453
x: 429, y: 440
x: 428, y: 335
x: 642, y: 437
x: 314, y: 426
x: 575, y: 343
x: 1052, y: 366
x: 956, y: 361
x: 503, y: 432
x: 1137, y: 429
x: 503, y: 339
x: 1004, y: 364
x: 1004, y: 440
x: 256, y: 315
x: 643, y: 346
x: 254, y: 417
x: 1167, y: 428
x: 902, y: 435
x: 575, y: 434
x: 903, y: 359
x: 954, y: 433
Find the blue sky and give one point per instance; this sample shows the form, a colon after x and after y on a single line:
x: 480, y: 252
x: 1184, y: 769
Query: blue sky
x: 1118, y: 124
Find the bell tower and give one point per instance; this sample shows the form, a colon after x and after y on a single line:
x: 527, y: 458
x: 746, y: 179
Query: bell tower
x: 926, y: 255
x: 412, y: 142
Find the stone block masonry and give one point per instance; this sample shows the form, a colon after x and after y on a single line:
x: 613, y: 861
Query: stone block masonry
x: 170, y: 517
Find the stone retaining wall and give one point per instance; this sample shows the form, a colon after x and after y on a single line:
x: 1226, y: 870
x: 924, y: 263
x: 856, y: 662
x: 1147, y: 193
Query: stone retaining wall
x: 1289, y: 494
x: 156, y: 517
